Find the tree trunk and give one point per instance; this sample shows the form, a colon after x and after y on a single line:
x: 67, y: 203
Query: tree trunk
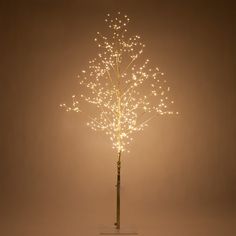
x: 117, y: 224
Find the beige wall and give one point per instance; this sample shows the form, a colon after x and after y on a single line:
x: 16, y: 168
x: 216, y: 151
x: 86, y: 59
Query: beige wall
x: 57, y: 176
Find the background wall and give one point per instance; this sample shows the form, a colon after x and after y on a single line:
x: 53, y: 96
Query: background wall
x: 57, y: 177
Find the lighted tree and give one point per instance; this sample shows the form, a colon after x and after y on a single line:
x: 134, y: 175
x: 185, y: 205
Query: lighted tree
x: 126, y: 92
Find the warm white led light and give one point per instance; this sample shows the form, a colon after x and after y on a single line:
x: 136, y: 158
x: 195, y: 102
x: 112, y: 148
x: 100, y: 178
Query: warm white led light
x: 126, y: 92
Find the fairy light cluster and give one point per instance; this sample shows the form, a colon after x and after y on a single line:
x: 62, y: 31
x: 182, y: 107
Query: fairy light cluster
x: 127, y: 93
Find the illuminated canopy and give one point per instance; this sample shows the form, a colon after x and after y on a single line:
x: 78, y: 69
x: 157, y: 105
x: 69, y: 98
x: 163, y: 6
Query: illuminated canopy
x: 125, y: 90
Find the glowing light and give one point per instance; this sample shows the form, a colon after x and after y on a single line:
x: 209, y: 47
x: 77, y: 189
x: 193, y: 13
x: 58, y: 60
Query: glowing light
x: 127, y: 94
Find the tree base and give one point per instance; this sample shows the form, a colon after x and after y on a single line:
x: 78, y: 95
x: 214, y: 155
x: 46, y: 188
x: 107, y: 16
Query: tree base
x: 114, y: 231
